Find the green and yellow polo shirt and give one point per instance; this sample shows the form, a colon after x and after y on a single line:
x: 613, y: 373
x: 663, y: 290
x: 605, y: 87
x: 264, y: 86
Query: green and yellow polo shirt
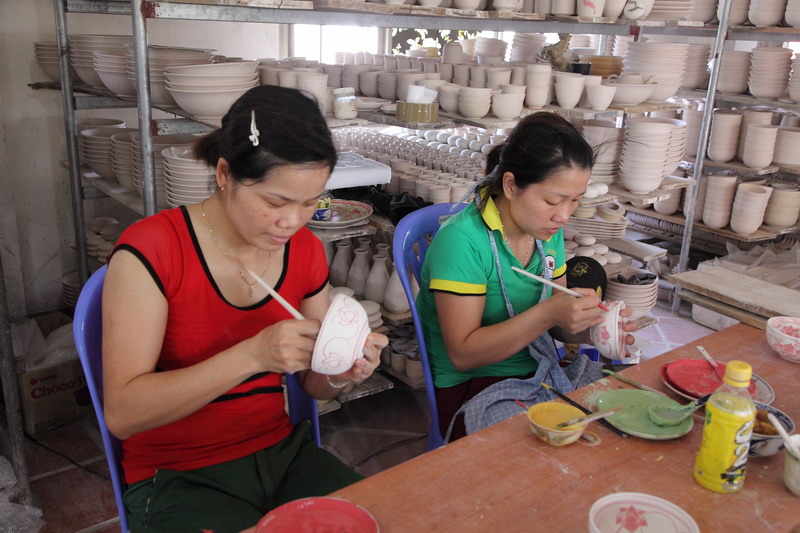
x: 460, y: 261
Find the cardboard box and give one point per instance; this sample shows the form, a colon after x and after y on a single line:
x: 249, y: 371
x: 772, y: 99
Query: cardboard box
x: 56, y: 394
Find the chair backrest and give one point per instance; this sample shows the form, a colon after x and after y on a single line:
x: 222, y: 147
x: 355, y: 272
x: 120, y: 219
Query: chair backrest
x: 415, y: 229
x: 87, y: 328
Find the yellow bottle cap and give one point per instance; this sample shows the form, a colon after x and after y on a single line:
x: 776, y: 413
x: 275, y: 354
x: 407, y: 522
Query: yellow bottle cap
x: 737, y: 374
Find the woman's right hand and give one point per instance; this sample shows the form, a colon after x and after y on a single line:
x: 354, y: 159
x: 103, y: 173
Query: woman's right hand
x: 575, y: 314
x: 285, y: 346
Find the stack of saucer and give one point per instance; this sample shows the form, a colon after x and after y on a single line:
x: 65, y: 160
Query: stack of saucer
x: 373, y: 310
x: 525, y: 47
x: 70, y: 289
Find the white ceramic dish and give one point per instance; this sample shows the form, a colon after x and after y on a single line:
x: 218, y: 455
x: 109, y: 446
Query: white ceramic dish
x: 341, y: 336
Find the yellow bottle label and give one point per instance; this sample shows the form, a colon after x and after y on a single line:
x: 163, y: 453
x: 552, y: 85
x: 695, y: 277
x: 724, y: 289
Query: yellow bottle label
x: 722, y: 459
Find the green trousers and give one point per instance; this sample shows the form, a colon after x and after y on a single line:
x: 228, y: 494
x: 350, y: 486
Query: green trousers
x: 235, y: 495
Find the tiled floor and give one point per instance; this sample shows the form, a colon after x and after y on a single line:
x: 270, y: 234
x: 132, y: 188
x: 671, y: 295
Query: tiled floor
x: 371, y: 434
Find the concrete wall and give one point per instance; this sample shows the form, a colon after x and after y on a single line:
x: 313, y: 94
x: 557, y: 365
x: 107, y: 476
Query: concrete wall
x: 36, y: 224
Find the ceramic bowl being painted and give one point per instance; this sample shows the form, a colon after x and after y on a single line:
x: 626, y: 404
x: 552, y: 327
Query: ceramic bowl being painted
x: 783, y: 336
x: 341, y: 336
x: 544, y: 417
x: 609, y: 336
x: 765, y: 445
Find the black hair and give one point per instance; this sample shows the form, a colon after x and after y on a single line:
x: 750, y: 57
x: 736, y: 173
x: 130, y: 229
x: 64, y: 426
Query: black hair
x: 292, y: 131
x: 541, y: 144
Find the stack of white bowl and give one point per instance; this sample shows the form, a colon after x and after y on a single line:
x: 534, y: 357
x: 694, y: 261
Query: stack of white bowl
x: 787, y: 147
x: 81, y: 53
x: 733, y: 72
x: 525, y: 47
x: 677, y: 142
x: 350, y: 75
x: 670, y: 10
x: 159, y: 143
x: 387, y: 85
x: 759, y: 145
x: 489, y: 50
x: 665, y: 62
x: 448, y: 97
x: 752, y: 115
x: 186, y: 180
x: 749, y: 207
x: 539, y: 85
x: 694, y: 121
x: 784, y: 205
x: 113, y: 72
x: 766, y: 12
x: 316, y: 84
x: 645, y: 154
x: 703, y: 10
x: 639, y: 298
x: 606, y: 141
x: 793, y: 13
x: 122, y: 158
x: 794, y: 82
x: 96, y: 150
x: 208, y: 91
x: 724, y: 137
x: 94, y: 122
x: 70, y: 289
x: 161, y: 58
x: 720, y: 192
x: 474, y: 103
x: 507, y: 106
x: 47, y: 57
x: 406, y: 77
x: 696, y: 74
x: 621, y: 43
x: 738, y: 12
x: 769, y: 71
x: 569, y: 88
x: 594, y: 39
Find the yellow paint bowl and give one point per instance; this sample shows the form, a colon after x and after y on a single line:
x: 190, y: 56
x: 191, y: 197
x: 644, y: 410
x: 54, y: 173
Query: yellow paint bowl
x: 544, y: 417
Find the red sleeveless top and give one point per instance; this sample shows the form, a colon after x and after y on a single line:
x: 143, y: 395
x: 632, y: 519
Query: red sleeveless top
x: 201, y: 323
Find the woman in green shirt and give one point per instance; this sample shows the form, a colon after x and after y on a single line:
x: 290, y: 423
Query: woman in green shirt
x: 482, y: 321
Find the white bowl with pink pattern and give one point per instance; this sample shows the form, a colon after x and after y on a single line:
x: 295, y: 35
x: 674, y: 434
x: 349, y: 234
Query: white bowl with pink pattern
x: 341, y: 336
x: 609, y: 336
x: 783, y: 336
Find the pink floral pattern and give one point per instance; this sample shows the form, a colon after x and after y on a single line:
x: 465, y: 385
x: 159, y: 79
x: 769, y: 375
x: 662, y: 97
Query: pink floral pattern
x: 783, y: 336
x: 631, y: 519
x: 341, y: 336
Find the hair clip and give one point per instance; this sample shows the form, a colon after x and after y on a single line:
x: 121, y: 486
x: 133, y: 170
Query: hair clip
x: 254, y: 133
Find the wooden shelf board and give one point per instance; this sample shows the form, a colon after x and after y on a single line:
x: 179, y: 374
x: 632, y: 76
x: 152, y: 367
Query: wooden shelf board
x: 381, y: 222
x: 748, y: 99
x: 358, y: 6
x: 391, y: 120
x: 738, y: 166
x: 600, y: 200
x: 646, y: 107
x: 466, y: 13
x: 126, y: 197
x: 335, y: 234
x: 270, y: 4
x: 587, y: 20
x: 372, y: 385
x: 396, y: 319
x: 760, y: 235
x: 752, y: 295
x: 645, y: 322
x: 513, y: 15
x: 710, y: 247
x: 402, y: 376
x: 724, y: 309
x: 638, y: 250
x: 615, y: 269
x: 664, y: 191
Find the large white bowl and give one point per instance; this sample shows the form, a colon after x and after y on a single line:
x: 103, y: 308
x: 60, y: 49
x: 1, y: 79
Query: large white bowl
x: 242, y: 67
x: 632, y: 93
x: 207, y: 104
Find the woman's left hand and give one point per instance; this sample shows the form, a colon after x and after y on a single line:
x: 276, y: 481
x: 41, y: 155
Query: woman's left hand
x: 364, y: 366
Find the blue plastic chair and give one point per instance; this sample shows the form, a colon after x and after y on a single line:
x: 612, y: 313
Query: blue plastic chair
x: 87, y: 329
x: 416, y: 228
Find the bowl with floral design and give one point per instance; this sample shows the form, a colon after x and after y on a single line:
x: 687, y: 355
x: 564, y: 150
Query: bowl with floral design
x: 609, y: 336
x: 341, y: 336
x: 783, y: 336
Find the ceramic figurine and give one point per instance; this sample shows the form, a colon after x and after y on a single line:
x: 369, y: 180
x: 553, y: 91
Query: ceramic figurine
x: 554, y: 53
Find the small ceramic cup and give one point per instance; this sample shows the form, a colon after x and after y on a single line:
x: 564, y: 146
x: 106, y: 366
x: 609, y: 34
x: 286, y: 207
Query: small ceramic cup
x: 341, y: 336
x: 609, y: 336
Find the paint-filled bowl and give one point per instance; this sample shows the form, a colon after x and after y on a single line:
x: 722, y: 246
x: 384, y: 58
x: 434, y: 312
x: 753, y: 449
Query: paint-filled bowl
x: 544, y: 417
x: 766, y: 440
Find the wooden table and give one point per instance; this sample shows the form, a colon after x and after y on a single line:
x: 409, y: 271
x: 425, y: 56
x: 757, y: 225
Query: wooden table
x: 505, y: 479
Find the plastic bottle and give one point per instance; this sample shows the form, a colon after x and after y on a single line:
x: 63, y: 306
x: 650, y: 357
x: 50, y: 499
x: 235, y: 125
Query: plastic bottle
x: 730, y: 414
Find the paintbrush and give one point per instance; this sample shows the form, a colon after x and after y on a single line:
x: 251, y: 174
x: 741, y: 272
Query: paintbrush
x: 554, y: 285
x: 573, y: 403
x: 629, y: 381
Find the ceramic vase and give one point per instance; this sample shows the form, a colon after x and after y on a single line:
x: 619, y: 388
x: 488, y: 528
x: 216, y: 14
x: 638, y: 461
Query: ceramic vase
x: 378, y: 277
x: 394, y: 299
x: 340, y: 265
x: 359, y: 270
x: 385, y: 249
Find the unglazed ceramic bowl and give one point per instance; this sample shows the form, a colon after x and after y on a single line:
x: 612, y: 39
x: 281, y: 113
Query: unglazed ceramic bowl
x: 341, y: 336
x: 609, y: 336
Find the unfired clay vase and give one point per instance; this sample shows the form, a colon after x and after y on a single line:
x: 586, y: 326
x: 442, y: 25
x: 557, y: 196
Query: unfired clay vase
x: 359, y: 270
x: 394, y: 299
x: 340, y: 265
x: 378, y: 277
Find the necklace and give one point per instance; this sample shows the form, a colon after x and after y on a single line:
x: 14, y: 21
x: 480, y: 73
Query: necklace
x: 234, y: 263
x: 530, y: 246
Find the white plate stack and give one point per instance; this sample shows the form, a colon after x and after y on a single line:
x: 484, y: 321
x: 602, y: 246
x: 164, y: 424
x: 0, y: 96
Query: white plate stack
x: 733, y: 72
x: 665, y: 62
x: 186, y: 180
x: 83, y: 47
x: 769, y: 71
x: 670, y: 10
x: 696, y: 74
x: 794, y: 82
x: 621, y: 43
x: 645, y: 154
x: 122, y: 158
x: 47, y: 57
x: 159, y: 143
x: 113, y: 72
x: 102, y: 235
x: 525, y: 47
x: 160, y: 58
x: 594, y: 42
x: 70, y: 289
x: 489, y: 50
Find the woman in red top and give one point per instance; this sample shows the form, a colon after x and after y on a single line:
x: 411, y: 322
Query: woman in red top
x: 194, y: 348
